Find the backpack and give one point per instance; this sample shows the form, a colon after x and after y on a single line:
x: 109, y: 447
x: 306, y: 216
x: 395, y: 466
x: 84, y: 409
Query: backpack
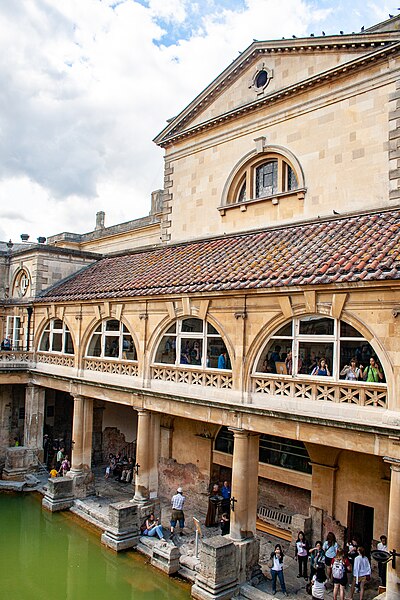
x: 338, y: 569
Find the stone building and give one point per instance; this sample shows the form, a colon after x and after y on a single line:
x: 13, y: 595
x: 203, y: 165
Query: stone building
x: 191, y: 337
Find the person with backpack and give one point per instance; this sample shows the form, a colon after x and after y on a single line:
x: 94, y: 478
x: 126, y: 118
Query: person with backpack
x: 340, y: 567
x: 373, y: 373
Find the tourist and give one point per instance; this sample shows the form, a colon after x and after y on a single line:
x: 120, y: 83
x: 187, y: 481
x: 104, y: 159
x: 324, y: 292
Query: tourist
x: 351, y: 372
x: 317, y: 559
x: 321, y: 370
x: 16, y: 442
x: 222, y: 360
x: 60, y: 457
x: 225, y: 524
x: 6, y: 343
x: 214, y: 503
x: 226, y: 495
x: 340, y: 567
x: 127, y: 471
x: 330, y: 548
x: 373, y: 373
x: 318, y: 583
x: 361, y: 573
x: 46, y: 448
x: 276, y: 558
x: 53, y: 473
x: 111, y: 465
x: 274, y: 358
x: 177, y: 502
x: 301, y: 554
x: 382, y: 567
x: 153, y: 527
x: 65, y: 466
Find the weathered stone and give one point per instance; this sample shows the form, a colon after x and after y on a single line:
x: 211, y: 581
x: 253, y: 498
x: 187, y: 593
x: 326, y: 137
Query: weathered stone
x: 248, y: 568
x: 59, y: 494
x: 217, y: 576
x: 165, y: 557
x: 19, y: 462
x: 83, y: 483
x: 124, y: 526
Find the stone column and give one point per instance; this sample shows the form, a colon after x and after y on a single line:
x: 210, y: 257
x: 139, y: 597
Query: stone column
x: 77, y: 436
x: 5, y: 419
x: 154, y: 454
x: 244, y: 484
x: 34, y: 418
x: 142, y: 456
x: 393, y: 575
x: 82, y: 432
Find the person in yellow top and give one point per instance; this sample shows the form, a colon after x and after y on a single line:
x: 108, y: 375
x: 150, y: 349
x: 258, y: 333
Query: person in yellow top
x: 53, y: 473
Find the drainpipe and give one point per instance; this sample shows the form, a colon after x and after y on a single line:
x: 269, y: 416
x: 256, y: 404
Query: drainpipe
x: 29, y: 310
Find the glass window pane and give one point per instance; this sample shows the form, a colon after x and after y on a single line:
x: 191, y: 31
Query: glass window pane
x: 94, y: 348
x: 112, y: 325
x: 166, y: 351
x: 286, y: 453
x: 45, y: 342
x: 125, y: 329
x: 347, y: 330
x: 128, y: 348
x: 309, y: 355
x: 224, y: 441
x: 98, y: 328
x: 316, y: 326
x: 276, y: 357
x: 291, y: 179
x: 57, y: 342
x: 361, y: 352
x: 285, y: 330
x: 211, y: 329
x: 217, y: 354
x: 111, y: 348
x: 172, y: 329
x: 191, y: 351
x: 192, y: 326
x: 267, y: 179
x: 69, y: 347
x: 57, y: 324
x: 242, y: 193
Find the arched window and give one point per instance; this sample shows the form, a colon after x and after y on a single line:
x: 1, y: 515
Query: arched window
x: 297, y: 347
x: 193, y: 342
x: 111, y: 339
x: 56, y: 338
x: 266, y: 175
x: 273, y: 450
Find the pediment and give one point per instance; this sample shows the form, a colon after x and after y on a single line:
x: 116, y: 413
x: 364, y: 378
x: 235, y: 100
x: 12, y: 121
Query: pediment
x: 289, y: 64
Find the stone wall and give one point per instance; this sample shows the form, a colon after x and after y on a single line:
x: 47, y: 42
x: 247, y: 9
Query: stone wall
x: 273, y: 494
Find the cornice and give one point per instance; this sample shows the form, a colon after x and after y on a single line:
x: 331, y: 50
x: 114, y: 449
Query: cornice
x: 174, y: 131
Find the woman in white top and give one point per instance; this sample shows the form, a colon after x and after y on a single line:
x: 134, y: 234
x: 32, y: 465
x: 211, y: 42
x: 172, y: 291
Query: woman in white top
x: 361, y: 572
x: 277, y: 569
x: 318, y: 584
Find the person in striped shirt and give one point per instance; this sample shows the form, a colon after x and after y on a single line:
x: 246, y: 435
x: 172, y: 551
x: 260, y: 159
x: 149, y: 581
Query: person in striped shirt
x: 177, y: 502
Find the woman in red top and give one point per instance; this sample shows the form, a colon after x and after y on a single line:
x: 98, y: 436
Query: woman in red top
x: 340, y: 567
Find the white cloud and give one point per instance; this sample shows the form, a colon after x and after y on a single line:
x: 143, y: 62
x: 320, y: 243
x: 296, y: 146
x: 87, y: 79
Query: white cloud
x: 85, y: 86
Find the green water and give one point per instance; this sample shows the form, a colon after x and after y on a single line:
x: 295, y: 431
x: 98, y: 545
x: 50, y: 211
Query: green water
x: 45, y: 556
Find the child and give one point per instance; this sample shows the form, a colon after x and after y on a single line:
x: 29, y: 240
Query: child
x: 65, y: 466
x: 53, y: 473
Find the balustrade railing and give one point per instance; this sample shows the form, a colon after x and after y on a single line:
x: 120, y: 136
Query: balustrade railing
x: 114, y: 367
x: 14, y: 359
x: 363, y: 394
x: 62, y: 360
x: 216, y: 379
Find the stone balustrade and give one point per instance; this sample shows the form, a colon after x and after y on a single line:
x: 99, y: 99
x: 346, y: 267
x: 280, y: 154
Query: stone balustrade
x: 115, y: 367
x: 62, y: 360
x: 16, y: 359
x: 311, y: 388
x: 216, y: 379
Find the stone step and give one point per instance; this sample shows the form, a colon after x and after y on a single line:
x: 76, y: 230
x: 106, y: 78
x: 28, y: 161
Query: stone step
x: 87, y: 517
x: 12, y: 486
x: 252, y: 593
x: 99, y: 513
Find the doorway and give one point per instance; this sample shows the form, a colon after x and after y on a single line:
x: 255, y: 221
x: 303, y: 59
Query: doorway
x: 361, y: 524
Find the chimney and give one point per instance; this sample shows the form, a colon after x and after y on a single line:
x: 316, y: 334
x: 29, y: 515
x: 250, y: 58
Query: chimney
x: 24, y: 237
x: 100, y: 217
x: 41, y: 240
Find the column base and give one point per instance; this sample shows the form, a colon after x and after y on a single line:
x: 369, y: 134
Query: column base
x: 124, y: 529
x: 19, y: 462
x: 83, y: 483
x: 249, y: 569
x: 217, y: 576
x: 58, y: 495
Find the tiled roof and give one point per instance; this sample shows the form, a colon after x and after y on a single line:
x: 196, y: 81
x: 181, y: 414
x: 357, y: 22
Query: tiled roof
x: 340, y: 250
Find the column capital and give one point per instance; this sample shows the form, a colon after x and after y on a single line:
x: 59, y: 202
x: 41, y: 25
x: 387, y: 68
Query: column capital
x: 393, y: 462
x: 78, y: 396
x: 142, y: 411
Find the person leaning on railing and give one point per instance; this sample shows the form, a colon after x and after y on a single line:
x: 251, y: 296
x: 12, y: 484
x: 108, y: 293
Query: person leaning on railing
x: 373, y: 373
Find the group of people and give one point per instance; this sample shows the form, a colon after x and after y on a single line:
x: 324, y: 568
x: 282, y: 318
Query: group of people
x: 120, y: 467
x: 314, y: 365
x: 328, y: 564
x: 218, y: 512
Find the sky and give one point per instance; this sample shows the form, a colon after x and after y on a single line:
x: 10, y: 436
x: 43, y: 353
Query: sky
x: 85, y: 85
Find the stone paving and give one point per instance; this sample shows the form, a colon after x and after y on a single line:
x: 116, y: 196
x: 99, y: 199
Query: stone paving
x: 113, y: 491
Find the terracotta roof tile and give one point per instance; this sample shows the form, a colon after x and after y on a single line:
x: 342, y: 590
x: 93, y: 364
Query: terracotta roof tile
x: 348, y: 249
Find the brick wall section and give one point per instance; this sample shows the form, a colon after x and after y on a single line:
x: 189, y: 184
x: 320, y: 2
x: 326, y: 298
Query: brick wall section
x: 273, y: 494
x: 394, y: 144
